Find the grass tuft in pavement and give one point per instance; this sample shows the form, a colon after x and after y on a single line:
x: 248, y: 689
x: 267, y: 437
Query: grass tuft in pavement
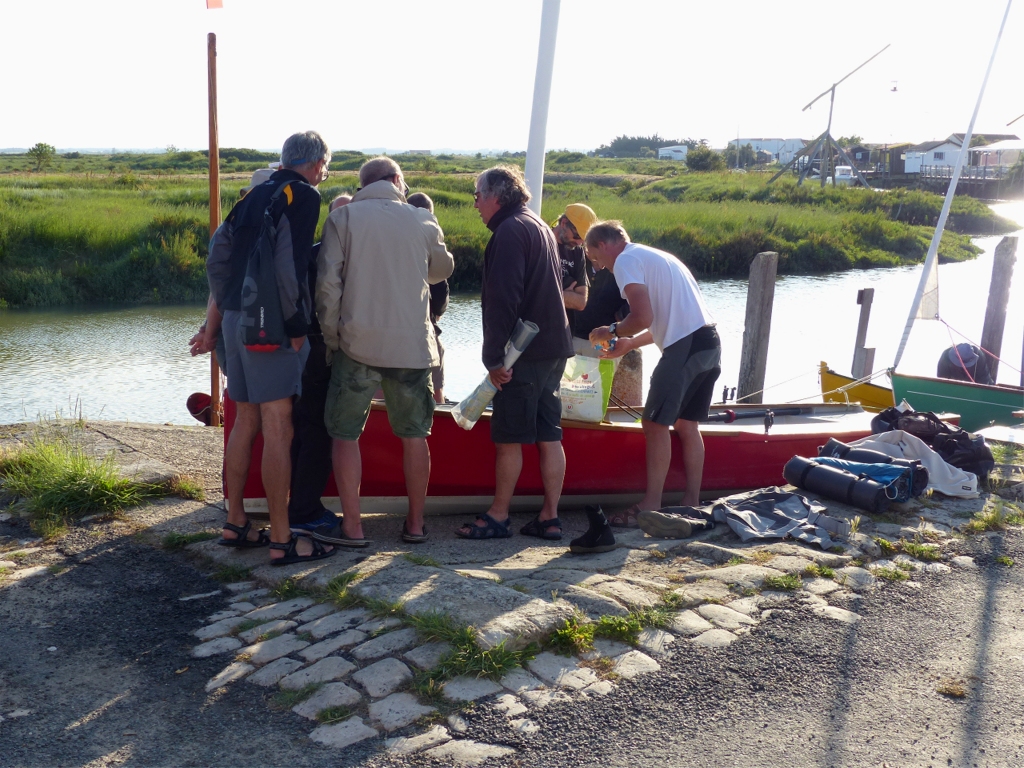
x: 816, y: 571
x: 289, y: 589
x: 231, y: 573
x: 575, y: 636
x: 412, y: 557
x: 186, y: 487
x: 62, y: 483
x: 337, y: 590
x: 384, y: 609
x: 927, y: 552
x: 435, y: 626
x: 787, y: 582
x: 1004, y: 560
x: 175, y: 540
x: 891, y: 574
x: 626, y: 629
x: 996, y: 518
x: 287, y: 699
x: 333, y: 715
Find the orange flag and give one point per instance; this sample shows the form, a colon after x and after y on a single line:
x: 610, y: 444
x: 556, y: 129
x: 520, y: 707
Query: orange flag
x: 214, y: 4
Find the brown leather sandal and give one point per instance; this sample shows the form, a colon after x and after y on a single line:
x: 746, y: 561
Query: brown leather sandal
x: 625, y: 518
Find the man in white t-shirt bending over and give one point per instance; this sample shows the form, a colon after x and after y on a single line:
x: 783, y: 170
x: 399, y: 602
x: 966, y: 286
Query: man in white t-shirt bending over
x: 666, y: 308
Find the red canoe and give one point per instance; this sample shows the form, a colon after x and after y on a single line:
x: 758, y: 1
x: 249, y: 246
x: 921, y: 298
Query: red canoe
x: 604, y: 462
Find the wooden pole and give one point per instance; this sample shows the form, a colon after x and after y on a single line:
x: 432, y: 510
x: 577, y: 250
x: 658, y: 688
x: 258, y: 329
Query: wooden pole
x: 211, y: 58
x: 998, y: 298
x: 757, y: 327
x: 863, y: 359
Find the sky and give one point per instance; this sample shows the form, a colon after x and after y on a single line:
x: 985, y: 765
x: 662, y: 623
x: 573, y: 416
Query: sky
x: 459, y: 74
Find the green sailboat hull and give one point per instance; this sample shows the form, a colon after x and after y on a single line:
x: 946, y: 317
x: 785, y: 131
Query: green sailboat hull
x: 979, y: 405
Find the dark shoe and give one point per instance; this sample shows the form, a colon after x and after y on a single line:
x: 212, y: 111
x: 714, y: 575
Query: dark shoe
x: 413, y: 538
x: 328, y: 530
x: 243, y: 541
x: 543, y: 529
x: 599, y: 538
x: 625, y: 518
x: 670, y: 525
x: 291, y: 554
x: 491, y: 529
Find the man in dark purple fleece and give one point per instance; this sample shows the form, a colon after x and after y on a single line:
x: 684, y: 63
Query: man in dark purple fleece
x: 522, y: 280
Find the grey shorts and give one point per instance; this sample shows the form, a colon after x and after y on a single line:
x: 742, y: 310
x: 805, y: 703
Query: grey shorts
x: 260, y: 377
x: 683, y: 382
x: 407, y: 395
x: 528, y: 409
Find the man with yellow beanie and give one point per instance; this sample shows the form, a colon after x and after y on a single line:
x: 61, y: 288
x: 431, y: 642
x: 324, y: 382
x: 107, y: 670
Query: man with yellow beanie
x: 570, y: 229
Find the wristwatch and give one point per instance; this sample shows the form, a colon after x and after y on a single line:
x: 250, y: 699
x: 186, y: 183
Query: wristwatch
x: 612, y: 330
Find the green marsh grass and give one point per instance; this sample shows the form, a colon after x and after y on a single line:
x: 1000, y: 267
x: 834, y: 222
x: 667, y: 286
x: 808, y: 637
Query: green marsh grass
x: 134, y: 236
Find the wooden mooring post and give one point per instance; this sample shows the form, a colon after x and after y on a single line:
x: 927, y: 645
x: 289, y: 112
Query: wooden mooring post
x: 998, y: 298
x: 757, y: 327
x: 863, y: 358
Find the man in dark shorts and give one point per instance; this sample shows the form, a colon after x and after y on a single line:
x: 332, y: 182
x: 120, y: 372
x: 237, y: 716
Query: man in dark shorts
x: 521, y: 280
x: 666, y: 308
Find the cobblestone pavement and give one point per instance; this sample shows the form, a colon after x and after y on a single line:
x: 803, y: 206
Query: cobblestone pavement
x: 351, y: 674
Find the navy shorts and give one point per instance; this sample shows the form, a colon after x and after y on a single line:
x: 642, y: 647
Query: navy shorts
x: 528, y: 409
x: 260, y: 377
x: 683, y: 382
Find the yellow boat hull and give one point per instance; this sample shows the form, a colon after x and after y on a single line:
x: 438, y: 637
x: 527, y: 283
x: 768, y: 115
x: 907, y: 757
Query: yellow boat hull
x: 841, y: 389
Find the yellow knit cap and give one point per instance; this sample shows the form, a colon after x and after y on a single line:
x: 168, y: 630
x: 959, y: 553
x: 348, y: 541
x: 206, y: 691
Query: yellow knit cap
x: 581, y: 216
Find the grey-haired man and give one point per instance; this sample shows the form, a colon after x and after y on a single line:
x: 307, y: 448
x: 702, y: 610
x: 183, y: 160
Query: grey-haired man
x: 264, y: 384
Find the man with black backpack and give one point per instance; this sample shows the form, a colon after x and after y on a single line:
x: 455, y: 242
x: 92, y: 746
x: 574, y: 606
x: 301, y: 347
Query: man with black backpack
x: 257, y: 269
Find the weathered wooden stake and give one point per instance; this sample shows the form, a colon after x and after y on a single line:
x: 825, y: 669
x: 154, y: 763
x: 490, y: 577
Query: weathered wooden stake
x: 998, y: 298
x: 863, y: 359
x: 757, y: 327
x: 211, y: 58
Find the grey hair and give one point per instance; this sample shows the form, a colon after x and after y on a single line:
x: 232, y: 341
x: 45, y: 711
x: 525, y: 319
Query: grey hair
x: 606, y: 232
x: 504, y: 182
x: 421, y: 200
x: 304, y: 148
x: 377, y: 168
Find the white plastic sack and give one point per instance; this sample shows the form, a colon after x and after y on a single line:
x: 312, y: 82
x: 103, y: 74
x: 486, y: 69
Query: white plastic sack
x: 942, y: 477
x: 586, y: 387
x: 469, y: 411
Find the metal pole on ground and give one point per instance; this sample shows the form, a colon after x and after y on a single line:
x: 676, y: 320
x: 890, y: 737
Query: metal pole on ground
x: 998, y: 298
x: 863, y: 359
x: 211, y: 57
x: 757, y: 327
x: 541, y: 96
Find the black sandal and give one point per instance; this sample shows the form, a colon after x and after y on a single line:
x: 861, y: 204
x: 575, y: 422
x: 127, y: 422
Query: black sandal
x: 243, y: 541
x: 492, y: 529
x: 413, y: 538
x: 291, y: 554
x: 541, y: 529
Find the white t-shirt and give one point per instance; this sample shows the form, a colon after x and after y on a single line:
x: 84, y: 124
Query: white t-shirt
x: 679, y: 309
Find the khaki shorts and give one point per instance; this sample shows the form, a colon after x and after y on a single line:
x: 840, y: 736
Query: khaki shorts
x: 407, y: 394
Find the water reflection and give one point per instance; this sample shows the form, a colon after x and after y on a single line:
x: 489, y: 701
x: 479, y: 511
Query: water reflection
x: 133, y: 363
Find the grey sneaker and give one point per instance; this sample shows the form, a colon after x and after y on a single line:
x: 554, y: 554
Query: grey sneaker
x: 666, y: 525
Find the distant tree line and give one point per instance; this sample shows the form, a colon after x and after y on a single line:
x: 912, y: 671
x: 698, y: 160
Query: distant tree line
x: 640, y: 146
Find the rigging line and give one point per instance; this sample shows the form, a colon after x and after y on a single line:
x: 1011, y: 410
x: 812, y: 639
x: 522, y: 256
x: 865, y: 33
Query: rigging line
x: 773, y: 386
x: 863, y: 380
x: 963, y: 365
x: 968, y: 338
x: 618, y: 402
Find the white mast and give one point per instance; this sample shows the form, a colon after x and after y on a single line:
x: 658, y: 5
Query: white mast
x: 541, y: 96
x: 926, y: 300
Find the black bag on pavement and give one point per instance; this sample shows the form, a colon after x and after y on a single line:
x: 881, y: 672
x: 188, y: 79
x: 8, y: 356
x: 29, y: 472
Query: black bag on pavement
x: 262, y: 319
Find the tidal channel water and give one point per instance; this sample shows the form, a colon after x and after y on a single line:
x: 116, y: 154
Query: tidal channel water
x: 132, y: 363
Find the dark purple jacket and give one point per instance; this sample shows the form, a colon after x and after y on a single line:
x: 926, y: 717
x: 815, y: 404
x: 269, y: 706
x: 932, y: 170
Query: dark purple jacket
x: 522, y: 279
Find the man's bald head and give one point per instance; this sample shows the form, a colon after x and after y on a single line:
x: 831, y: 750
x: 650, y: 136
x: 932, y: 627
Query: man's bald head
x: 339, y: 201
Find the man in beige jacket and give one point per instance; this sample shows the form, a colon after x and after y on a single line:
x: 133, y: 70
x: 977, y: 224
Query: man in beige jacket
x: 377, y: 259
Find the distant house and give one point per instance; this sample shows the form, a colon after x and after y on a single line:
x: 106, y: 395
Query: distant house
x: 781, y: 150
x: 945, y: 152
x: 861, y: 156
x: 677, y: 152
x: 1004, y: 154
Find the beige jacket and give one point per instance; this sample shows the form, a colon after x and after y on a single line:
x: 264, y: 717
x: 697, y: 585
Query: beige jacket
x: 378, y: 255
